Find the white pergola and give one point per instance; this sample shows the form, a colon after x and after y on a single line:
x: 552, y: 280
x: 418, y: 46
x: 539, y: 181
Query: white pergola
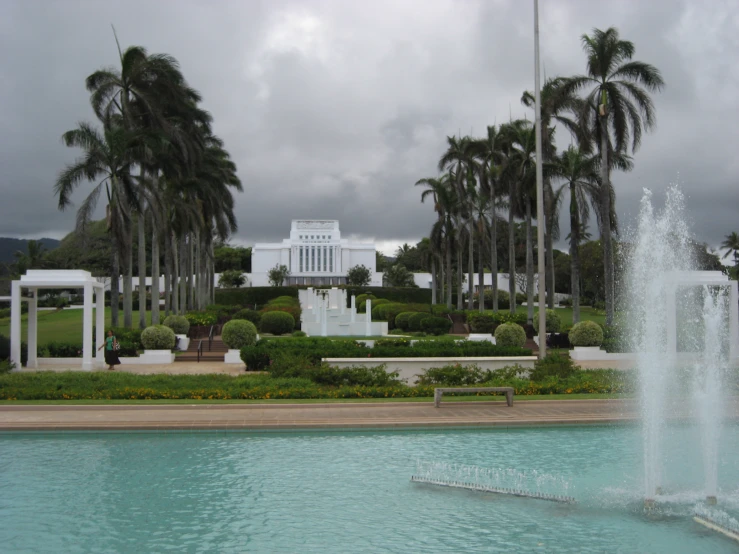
x: 681, y: 279
x: 36, y: 279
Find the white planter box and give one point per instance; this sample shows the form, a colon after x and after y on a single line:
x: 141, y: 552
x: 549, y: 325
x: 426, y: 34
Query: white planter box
x: 184, y: 342
x: 233, y: 356
x: 589, y: 353
x: 481, y: 337
x: 150, y: 357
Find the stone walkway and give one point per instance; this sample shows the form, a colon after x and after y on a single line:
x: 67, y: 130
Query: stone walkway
x: 268, y: 417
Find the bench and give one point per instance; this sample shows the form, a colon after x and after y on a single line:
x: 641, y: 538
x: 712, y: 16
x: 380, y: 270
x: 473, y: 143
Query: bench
x: 440, y: 391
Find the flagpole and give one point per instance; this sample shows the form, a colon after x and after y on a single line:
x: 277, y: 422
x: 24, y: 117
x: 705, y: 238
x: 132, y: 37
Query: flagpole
x: 540, y: 223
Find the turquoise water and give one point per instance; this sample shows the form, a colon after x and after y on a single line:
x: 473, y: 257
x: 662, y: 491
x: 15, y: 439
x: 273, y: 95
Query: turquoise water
x: 348, y: 492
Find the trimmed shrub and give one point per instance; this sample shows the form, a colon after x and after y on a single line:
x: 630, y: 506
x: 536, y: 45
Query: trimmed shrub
x: 294, y: 311
x: 566, y: 302
x: 249, y: 315
x: 586, y: 333
x: 158, y: 337
x: 238, y: 333
x: 361, y: 299
x: 553, y: 321
x: 401, y: 320
x: 299, y: 334
x: 454, y: 376
x: 481, y: 323
x: 520, y: 298
x: 178, y: 324
x: 510, y: 334
x: 440, y: 309
x: 436, y: 325
x: 553, y: 365
x: 277, y: 323
x: 375, y: 303
x: 414, y: 321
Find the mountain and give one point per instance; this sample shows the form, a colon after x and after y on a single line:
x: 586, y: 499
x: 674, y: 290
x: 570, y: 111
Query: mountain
x: 8, y: 247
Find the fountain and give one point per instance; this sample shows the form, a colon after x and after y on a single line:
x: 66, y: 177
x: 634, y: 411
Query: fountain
x: 661, y: 283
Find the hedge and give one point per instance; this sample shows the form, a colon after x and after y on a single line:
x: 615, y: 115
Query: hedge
x: 265, y: 351
x: 251, y: 296
x: 436, y: 325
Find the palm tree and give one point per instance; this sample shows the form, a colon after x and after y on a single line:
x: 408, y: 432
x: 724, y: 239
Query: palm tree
x: 617, y: 109
x: 731, y: 244
x: 108, y: 159
x: 580, y: 174
x: 555, y: 101
x: 490, y: 155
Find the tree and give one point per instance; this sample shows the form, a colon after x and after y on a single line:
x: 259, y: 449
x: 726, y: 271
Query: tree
x: 731, y: 244
x: 277, y: 275
x: 615, y: 111
x: 358, y: 276
x: 232, y: 278
x: 381, y: 261
x: 399, y: 276
x: 580, y: 173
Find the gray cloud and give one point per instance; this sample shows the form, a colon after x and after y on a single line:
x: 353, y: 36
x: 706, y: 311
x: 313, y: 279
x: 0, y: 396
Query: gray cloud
x: 334, y: 109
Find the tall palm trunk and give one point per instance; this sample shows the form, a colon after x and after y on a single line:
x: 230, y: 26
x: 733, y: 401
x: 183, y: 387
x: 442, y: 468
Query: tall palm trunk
x: 471, y: 265
x: 191, y: 270
x: 549, y: 243
x: 212, y: 276
x: 481, y: 276
x: 494, y: 258
x: 154, y: 274
x: 529, y: 265
x: 605, y: 217
x: 449, y: 273
x: 142, y: 262
x: 433, y: 280
x: 460, y: 274
x: 183, y: 272
x: 512, y: 253
x: 115, y: 279
x: 167, y: 276
x: 175, y: 274
x: 128, y: 280
x: 550, y: 275
x: 574, y: 255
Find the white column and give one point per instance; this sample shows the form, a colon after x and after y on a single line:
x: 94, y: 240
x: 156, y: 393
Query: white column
x: 733, y: 320
x: 15, y: 323
x: 33, y: 329
x: 100, y: 325
x: 353, y: 312
x: 342, y: 301
x: 368, y: 319
x: 87, y: 329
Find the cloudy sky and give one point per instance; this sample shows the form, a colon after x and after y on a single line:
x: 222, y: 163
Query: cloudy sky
x: 334, y: 108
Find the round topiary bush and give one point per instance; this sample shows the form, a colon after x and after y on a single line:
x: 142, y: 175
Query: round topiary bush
x: 553, y: 321
x: 277, y: 323
x: 401, y: 320
x: 178, y: 324
x: 586, y: 333
x: 510, y: 334
x: 436, y: 325
x: 249, y: 315
x: 414, y: 321
x: 238, y: 333
x: 158, y: 337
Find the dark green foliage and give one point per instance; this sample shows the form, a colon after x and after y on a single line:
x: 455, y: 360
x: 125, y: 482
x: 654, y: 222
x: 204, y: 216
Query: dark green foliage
x: 249, y: 315
x: 440, y: 309
x: 414, y: 321
x: 253, y: 296
x: 455, y: 375
x: 433, y: 325
x: 232, y: 278
x: 481, y: 323
x: 258, y: 357
x: 299, y: 334
x: 60, y: 350
x: 5, y: 349
x: 294, y: 365
x: 401, y: 320
x: 520, y: 298
x: 404, y: 295
x: 553, y: 365
x: 358, y: 276
x: 277, y: 323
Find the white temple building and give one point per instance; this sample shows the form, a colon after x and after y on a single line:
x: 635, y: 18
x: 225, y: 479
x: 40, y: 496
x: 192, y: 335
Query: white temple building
x: 315, y: 253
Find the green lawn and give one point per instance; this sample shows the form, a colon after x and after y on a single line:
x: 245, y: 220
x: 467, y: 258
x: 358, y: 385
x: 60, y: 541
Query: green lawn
x: 61, y: 325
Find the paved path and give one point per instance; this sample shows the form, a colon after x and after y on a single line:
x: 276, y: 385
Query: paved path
x: 267, y: 417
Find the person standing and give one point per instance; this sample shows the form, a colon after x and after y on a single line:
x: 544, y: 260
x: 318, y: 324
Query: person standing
x: 111, y: 347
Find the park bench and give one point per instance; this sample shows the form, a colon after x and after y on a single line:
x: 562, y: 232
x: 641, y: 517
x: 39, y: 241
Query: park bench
x: 441, y: 390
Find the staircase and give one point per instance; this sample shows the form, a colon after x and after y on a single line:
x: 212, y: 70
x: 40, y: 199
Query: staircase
x: 215, y: 354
